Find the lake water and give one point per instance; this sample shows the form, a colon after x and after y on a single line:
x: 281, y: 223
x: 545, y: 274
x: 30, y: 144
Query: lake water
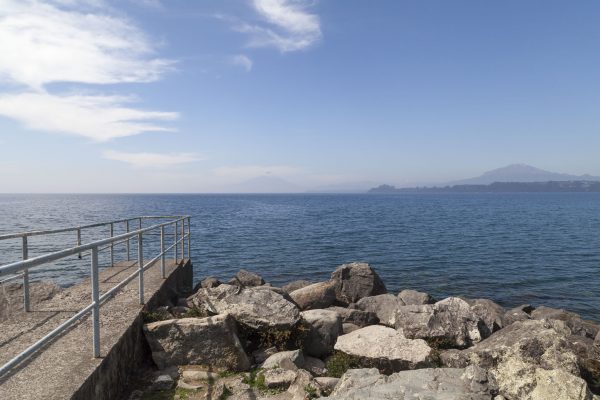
x: 538, y: 248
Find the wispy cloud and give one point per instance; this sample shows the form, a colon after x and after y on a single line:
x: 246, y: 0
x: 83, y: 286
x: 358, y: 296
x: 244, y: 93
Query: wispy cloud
x: 144, y: 160
x: 242, y: 61
x: 78, y: 41
x: 288, y: 26
x: 97, y: 117
x: 43, y: 43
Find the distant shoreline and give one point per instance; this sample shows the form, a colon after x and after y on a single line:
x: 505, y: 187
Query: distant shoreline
x: 501, y: 187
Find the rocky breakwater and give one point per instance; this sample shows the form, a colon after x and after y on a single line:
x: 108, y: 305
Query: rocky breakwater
x: 348, y: 338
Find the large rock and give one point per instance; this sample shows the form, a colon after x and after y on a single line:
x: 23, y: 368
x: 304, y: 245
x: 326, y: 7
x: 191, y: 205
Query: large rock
x: 211, y: 341
x: 357, y: 317
x: 354, y: 281
x: 384, y: 306
x: 588, y: 360
x: 385, y: 348
x: 447, y: 323
x: 577, y: 325
x: 325, y: 327
x: 409, y: 297
x: 208, y: 282
x: 490, y: 313
x: 531, y: 360
x: 429, y: 383
x: 256, y: 308
x: 246, y: 278
x: 317, y: 295
x: 295, y: 285
x: 597, y: 340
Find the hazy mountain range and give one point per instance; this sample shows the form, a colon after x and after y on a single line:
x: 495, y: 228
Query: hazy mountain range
x: 521, y: 173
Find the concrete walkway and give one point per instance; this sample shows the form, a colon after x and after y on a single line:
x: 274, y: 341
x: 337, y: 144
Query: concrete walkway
x: 62, y: 368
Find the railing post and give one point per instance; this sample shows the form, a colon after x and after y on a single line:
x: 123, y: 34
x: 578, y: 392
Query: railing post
x: 128, y: 241
x: 189, y: 254
x: 182, y: 238
x: 79, y: 240
x: 141, y: 267
x: 140, y: 223
x: 112, y: 246
x: 96, y: 302
x: 26, y: 304
x: 175, y: 242
x: 162, y: 251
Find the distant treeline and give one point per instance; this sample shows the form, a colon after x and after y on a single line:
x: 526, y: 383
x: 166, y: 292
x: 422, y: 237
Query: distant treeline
x: 499, y: 187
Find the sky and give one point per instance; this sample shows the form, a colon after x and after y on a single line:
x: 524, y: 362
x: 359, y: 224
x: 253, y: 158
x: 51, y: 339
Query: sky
x: 223, y: 95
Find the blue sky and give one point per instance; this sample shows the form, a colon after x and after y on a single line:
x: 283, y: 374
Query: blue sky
x: 201, y: 96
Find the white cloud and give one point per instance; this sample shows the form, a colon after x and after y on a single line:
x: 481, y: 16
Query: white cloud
x: 251, y: 171
x: 142, y: 160
x: 78, y: 41
x: 97, y: 117
x: 242, y: 61
x: 42, y: 43
x: 290, y: 26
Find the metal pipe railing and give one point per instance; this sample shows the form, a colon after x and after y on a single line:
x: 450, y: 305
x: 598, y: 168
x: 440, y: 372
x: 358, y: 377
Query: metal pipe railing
x: 21, y: 268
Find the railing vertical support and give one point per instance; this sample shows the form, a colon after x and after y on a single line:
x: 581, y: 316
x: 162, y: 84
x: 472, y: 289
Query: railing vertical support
x: 112, y: 245
x: 141, y: 267
x: 139, y: 223
x: 79, y: 240
x: 189, y: 234
x: 182, y: 238
x: 175, y: 242
x: 162, y: 251
x: 128, y: 241
x: 26, y: 304
x: 96, y: 302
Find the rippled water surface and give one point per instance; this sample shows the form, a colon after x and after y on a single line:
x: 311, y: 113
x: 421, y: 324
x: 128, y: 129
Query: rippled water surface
x: 538, y: 248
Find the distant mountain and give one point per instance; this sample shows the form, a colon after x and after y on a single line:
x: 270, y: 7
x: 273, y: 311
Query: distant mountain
x: 347, y: 187
x: 521, y: 173
x: 264, y: 184
x: 500, y: 187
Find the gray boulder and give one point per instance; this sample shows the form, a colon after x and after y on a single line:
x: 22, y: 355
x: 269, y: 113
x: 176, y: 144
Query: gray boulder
x: 447, y: 323
x: 325, y: 327
x: 317, y: 295
x: 246, y: 278
x: 429, y: 383
x: 211, y: 341
x: 355, y: 316
x: 384, y: 306
x: 292, y: 359
x: 295, y: 285
x: 385, y: 348
x: 253, y: 307
x: 577, y: 325
x: 520, y: 313
x: 315, y: 366
x: 409, y: 297
x: 354, y: 281
x: 531, y: 360
x: 278, y: 378
x: 209, y: 282
x: 490, y: 313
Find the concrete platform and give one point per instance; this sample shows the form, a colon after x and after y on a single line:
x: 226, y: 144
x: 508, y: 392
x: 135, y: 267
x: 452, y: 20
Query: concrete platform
x: 65, y: 369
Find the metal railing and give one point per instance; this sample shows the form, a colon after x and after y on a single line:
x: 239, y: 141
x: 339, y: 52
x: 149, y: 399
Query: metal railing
x: 21, y: 268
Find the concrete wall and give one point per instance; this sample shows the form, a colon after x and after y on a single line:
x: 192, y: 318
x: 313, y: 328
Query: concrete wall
x: 113, y: 377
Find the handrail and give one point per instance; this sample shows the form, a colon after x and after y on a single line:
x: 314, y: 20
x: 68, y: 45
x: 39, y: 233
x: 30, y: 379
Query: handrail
x: 21, y: 268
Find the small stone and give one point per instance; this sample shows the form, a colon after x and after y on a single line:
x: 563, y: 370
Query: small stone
x: 327, y: 383
x: 295, y: 356
x: 190, y: 375
x: 188, y: 386
x: 162, y: 382
x: 314, y: 365
x: 279, y: 378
